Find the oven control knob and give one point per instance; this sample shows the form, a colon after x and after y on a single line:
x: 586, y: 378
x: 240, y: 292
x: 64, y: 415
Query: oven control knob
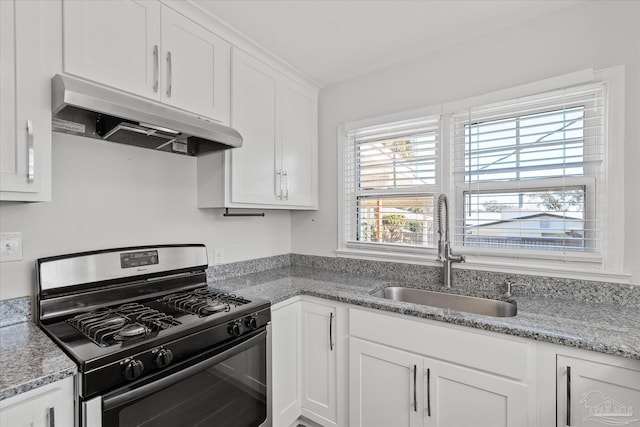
x: 132, y: 369
x: 251, y: 322
x: 235, y: 328
x: 162, y: 357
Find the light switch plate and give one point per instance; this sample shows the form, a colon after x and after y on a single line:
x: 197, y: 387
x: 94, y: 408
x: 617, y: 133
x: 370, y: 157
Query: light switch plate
x: 10, y: 246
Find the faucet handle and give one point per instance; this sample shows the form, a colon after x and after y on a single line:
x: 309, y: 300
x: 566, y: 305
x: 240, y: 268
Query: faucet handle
x: 505, y: 289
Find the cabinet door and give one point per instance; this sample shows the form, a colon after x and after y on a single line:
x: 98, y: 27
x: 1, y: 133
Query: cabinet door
x: 116, y: 43
x: 25, y: 101
x: 386, y: 386
x: 457, y: 397
x: 319, y: 359
x: 298, y: 149
x: 196, y: 67
x: 596, y: 394
x: 45, y: 406
x: 253, y: 114
x: 285, y: 328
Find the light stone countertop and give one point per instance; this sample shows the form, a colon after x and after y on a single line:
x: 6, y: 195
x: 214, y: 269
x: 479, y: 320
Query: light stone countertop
x: 29, y: 359
x: 605, y: 328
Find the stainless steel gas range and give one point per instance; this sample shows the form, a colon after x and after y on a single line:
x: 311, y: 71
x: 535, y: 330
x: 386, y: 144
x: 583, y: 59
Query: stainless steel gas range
x: 155, y: 346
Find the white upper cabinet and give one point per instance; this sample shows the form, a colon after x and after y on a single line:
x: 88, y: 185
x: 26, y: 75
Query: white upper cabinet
x: 114, y: 43
x: 253, y: 109
x: 196, y: 67
x: 276, y: 167
x: 25, y: 101
x: 298, y: 148
x: 148, y: 49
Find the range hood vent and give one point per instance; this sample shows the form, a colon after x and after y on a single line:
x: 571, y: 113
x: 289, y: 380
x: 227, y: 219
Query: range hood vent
x: 84, y: 108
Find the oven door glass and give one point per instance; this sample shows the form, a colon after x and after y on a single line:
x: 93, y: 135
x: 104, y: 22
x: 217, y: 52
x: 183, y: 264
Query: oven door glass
x: 225, y: 388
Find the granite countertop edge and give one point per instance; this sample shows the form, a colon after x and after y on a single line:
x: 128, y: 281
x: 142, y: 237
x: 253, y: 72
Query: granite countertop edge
x: 47, y: 362
x: 610, y: 330
x: 565, y: 322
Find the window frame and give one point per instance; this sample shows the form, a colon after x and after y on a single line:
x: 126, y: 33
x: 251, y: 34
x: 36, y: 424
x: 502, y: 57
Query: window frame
x: 379, y: 250
x: 606, y: 266
x: 586, y: 181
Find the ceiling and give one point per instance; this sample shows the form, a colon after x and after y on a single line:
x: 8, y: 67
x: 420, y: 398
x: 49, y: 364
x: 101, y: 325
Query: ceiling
x: 334, y: 40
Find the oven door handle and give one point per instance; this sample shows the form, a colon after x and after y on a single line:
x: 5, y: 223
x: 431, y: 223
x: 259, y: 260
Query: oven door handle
x: 124, y: 398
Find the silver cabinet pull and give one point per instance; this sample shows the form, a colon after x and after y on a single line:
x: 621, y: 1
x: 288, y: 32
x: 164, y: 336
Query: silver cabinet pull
x: 156, y: 66
x: 31, y: 172
x: 429, y: 392
x: 169, y: 74
x: 280, y: 184
x: 415, y: 392
x: 286, y: 188
x: 331, y: 331
x: 568, y: 395
x: 52, y: 417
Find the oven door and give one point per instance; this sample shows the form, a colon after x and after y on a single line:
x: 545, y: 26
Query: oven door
x: 228, y: 387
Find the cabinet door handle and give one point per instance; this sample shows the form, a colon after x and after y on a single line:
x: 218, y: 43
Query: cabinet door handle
x: 331, y: 331
x: 280, y: 184
x: 156, y: 66
x: 286, y: 187
x: 568, y: 395
x: 169, y: 74
x: 415, y: 391
x: 429, y: 392
x: 52, y: 416
x: 31, y: 166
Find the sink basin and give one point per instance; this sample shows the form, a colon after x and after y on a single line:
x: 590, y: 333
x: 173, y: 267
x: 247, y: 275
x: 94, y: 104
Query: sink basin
x: 485, y: 306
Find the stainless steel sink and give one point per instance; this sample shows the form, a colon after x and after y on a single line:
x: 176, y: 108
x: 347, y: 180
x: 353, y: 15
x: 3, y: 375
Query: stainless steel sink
x: 485, y: 306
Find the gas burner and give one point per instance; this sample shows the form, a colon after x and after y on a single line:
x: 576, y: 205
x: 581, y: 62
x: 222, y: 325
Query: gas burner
x: 203, y: 302
x: 215, y: 306
x: 110, y: 326
x: 131, y: 330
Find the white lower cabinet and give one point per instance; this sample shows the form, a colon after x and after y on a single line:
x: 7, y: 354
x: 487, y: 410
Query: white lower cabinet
x: 457, y: 396
x: 598, y: 392
x: 47, y: 406
x: 285, y: 362
x: 319, y: 362
x: 390, y: 387
x: 309, y: 362
x: 416, y: 373
x: 339, y: 365
x: 385, y: 387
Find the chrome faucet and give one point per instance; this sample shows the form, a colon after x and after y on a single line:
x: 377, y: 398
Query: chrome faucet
x: 444, y: 245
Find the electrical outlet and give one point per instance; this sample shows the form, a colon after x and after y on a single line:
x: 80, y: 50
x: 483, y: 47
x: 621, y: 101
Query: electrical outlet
x: 10, y: 247
x: 218, y: 256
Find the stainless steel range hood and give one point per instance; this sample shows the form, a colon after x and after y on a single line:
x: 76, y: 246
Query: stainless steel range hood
x: 115, y: 116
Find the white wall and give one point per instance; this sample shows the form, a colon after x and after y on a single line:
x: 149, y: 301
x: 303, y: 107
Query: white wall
x: 110, y: 195
x: 590, y: 35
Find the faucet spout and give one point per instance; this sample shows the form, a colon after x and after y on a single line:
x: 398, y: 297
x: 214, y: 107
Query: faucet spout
x: 444, y: 245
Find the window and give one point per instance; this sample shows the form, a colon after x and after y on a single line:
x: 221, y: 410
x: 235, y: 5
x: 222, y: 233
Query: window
x: 527, y: 172
x: 534, y: 180
x: 391, y: 177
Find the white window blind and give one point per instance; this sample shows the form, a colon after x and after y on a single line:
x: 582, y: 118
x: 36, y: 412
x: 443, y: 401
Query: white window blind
x: 391, y: 176
x: 528, y: 172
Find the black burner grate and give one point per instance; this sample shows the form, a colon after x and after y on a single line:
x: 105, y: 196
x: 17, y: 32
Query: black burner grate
x: 110, y: 326
x: 203, y: 302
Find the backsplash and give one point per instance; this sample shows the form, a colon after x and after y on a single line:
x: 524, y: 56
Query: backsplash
x: 470, y: 282
x: 16, y: 310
